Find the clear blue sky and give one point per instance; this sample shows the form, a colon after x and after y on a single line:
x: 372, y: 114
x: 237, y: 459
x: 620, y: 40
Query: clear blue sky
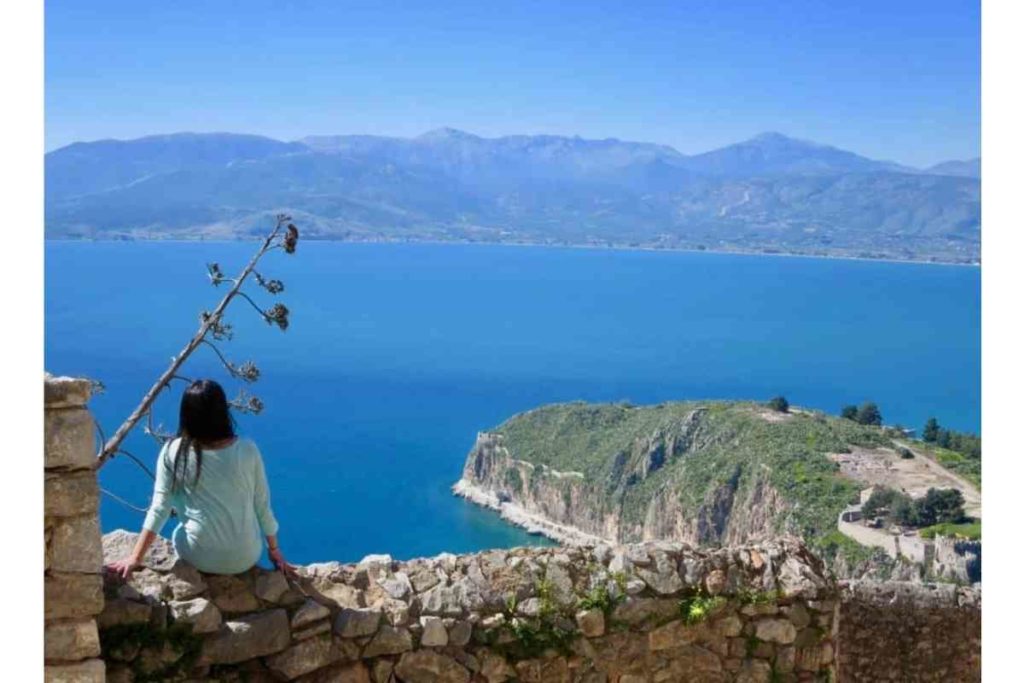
x: 895, y: 79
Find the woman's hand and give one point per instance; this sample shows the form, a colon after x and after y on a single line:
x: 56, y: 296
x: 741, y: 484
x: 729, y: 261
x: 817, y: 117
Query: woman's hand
x: 123, y: 568
x: 277, y: 557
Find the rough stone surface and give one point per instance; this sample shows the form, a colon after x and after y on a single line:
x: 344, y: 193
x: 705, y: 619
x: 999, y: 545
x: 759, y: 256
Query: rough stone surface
x: 590, y: 622
x: 248, y: 637
x: 231, y: 594
x: 68, y: 439
x: 389, y: 641
x: 67, y: 596
x: 908, y: 632
x: 75, y: 544
x: 65, y: 392
x: 434, y: 632
x: 353, y: 623
x: 89, y: 671
x: 70, y: 494
x: 311, y: 611
x: 71, y: 640
x: 427, y: 666
x: 202, y: 614
x: 270, y: 586
x: 304, y: 657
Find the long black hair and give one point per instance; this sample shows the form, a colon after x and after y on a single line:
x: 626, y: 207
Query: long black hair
x: 204, y: 418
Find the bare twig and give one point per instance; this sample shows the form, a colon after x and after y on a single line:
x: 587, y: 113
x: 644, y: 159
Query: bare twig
x: 288, y: 243
x: 124, y: 502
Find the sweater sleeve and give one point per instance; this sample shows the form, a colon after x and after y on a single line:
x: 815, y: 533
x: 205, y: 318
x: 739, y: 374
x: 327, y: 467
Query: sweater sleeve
x: 160, y: 508
x: 265, y: 516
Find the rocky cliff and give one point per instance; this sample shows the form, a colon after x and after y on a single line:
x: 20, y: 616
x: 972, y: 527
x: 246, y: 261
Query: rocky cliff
x: 710, y: 473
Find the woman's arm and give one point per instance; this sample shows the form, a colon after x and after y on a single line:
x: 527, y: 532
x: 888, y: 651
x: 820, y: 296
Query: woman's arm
x: 265, y: 516
x: 126, y: 566
x: 277, y: 557
x: 159, y: 511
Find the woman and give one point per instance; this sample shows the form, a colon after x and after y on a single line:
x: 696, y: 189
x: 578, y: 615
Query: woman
x: 216, y: 483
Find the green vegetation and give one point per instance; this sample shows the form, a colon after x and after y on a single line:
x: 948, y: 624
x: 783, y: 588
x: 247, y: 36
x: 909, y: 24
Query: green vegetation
x: 693, y: 452
x: 698, y: 607
x: 599, y: 598
x: 970, y: 531
x: 514, y: 481
x: 867, y: 414
x: 779, y: 404
x: 937, y: 507
x: 966, y: 444
x: 534, y: 636
x: 835, y: 543
x: 968, y: 468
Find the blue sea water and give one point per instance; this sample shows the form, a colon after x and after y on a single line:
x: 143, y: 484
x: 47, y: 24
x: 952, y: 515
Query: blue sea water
x: 397, y: 355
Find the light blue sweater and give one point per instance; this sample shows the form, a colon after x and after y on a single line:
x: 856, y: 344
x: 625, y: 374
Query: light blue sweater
x: 223, y: 516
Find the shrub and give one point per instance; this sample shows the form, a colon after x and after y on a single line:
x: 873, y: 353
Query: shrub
x: 779, y: 404
x: 849, y: 413
x: 869, y: 414
x: 905, y: 453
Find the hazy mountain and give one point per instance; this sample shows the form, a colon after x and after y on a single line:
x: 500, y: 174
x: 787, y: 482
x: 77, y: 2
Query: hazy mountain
x: 769, y: 193
x: 776, y: 154
x: 969, y: 168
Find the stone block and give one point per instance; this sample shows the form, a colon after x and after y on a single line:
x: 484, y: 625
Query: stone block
x: 89, y: 671
x: 68, y: 439
x: 71, y: 641
x: 66, y: 494
x: 429, y: 666
x: 232, y: 594
x: 270, y: 586
x: 304, y: 657
x: 311, y: 611
x: 388, y: 641
x: 248, y: 637
x: 66, y: 392
x: 75, y: 545
x: 69, y: 596
x: 354, y: 623
x: 200, y: 612
x: 118, y: 612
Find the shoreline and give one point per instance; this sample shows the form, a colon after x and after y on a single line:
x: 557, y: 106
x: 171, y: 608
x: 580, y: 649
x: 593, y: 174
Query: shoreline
x: 519, y: 516
x: 593, y: 247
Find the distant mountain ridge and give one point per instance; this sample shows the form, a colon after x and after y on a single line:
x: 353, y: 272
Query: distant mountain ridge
x: 770, y: 193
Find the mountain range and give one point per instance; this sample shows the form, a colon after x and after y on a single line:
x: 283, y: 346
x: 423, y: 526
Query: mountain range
x: 771, y: 193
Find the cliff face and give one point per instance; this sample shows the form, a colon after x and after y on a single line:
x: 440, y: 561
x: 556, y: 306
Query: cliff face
x: 708, y: 474
x: 728, y: 513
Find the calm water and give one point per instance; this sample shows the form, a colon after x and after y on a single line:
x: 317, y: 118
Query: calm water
x: 398, y: 354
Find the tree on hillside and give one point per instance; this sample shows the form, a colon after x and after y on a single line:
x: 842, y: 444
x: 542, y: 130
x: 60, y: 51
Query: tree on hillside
x: 869, y: 414
x: 849, y: 412
x: 779, y: 404
x: 930, y: 433
x: 940, y: 506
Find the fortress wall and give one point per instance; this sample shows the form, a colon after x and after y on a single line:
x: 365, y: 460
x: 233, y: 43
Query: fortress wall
x: 655, y: 611
x: 72, y: 578
x: 909, y: 632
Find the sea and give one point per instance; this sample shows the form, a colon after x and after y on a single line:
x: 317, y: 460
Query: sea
x: 397, y: 355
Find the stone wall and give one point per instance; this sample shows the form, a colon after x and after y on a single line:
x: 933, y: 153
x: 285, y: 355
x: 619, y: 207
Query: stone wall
x: 649, y: 612
x: 73, y: 580
x: 909, y: 632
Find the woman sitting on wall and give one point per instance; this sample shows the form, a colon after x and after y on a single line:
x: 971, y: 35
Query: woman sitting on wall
x: 216, y: 483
